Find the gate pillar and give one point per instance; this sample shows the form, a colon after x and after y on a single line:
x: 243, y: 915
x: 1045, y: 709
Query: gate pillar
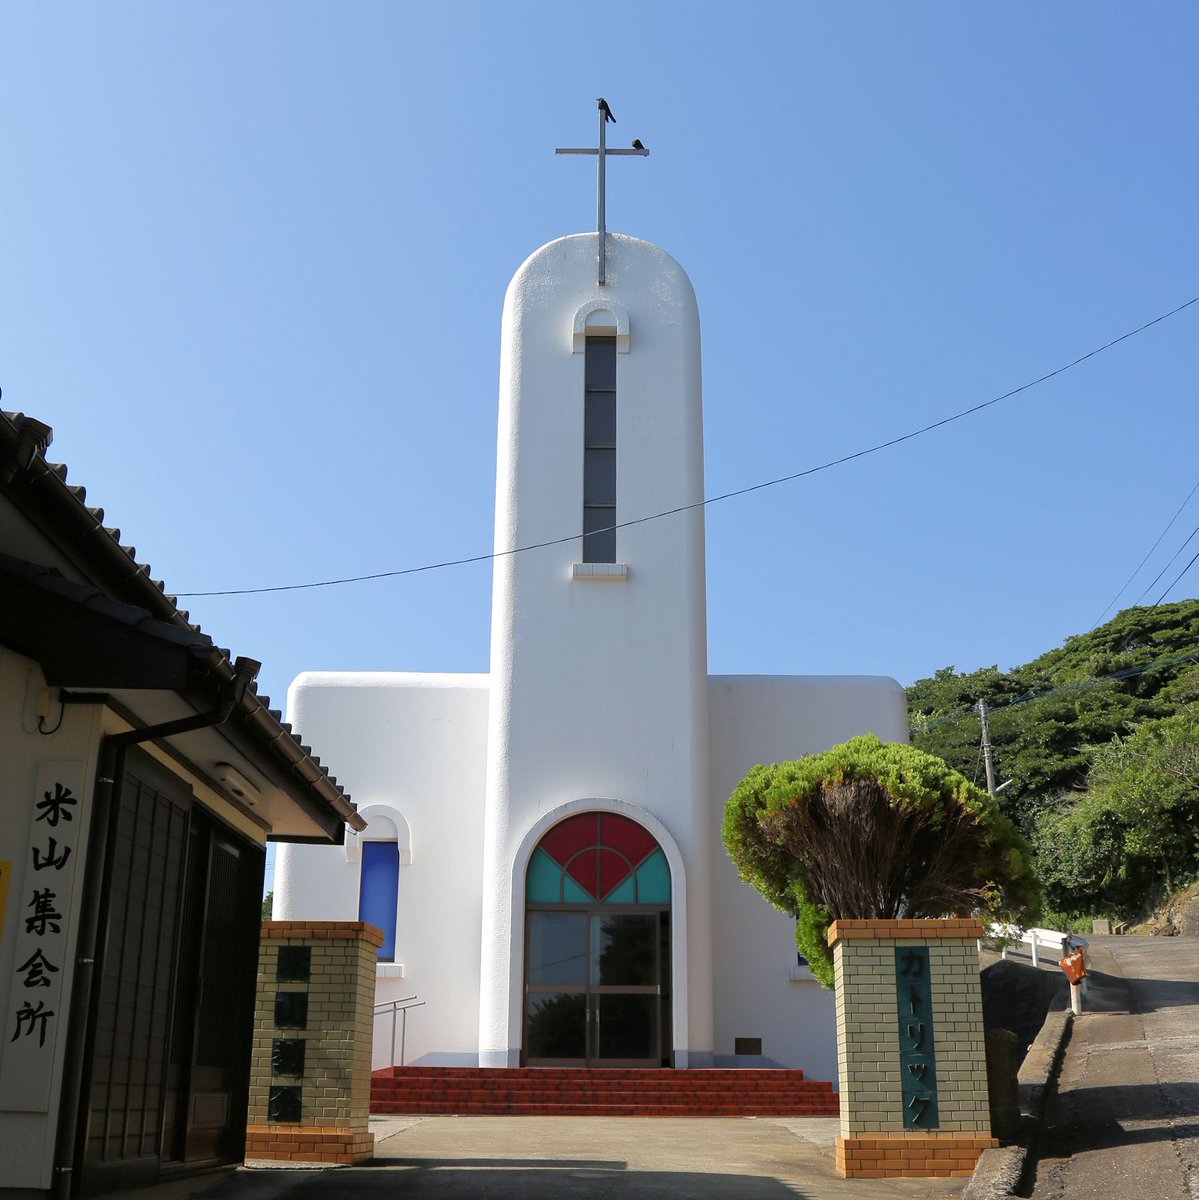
x: 310, y: 1076
x: 910, y: 1048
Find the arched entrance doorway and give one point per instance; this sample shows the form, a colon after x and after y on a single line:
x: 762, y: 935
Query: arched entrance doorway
x: 597, y: 946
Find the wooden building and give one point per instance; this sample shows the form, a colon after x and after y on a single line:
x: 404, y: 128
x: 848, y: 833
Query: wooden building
x: 141, y: 777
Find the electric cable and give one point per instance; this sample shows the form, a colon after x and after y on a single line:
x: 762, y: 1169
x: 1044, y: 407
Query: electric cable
x: 670, y: 512
x: 1183, y: 572
x: 1144, y: 560
x: 1169, y: 562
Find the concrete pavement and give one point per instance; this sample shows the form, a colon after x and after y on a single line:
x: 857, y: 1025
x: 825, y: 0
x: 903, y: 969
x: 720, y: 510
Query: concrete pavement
x: 1125, y: 1119
x: 578, y: 1158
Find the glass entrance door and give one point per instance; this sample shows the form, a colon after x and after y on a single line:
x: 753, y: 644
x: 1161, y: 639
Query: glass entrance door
x: 597, y: 946
x: 596, y: 994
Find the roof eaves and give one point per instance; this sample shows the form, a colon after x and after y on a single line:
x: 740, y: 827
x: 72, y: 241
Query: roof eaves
x: 60, y: 510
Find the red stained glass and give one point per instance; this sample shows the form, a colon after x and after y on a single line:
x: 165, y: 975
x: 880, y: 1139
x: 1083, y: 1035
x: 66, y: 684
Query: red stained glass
x: 634, y: 842
x: 568, y: 837
x: 598, y: 850
x: 614, y: 868
x: 584, y: 870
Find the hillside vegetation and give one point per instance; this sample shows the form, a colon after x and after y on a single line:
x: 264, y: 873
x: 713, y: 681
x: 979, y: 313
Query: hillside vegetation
x: 1100, y: 740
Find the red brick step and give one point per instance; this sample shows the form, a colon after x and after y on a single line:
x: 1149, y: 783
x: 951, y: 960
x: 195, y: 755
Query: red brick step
x: 602, y: 1091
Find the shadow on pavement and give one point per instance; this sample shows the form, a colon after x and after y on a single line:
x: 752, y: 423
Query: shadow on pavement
x: 549, y: 1180
x: 1098, y: 1117
x: 581, y: 1164
x: 1166, y: 993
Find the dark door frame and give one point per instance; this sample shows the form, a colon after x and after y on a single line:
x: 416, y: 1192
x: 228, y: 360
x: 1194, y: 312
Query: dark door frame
x: 662, y: 989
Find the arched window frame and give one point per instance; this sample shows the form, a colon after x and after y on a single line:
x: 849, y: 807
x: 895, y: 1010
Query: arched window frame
x: 600, y: 318
x: 385, y: 824
x: 680, y: 1020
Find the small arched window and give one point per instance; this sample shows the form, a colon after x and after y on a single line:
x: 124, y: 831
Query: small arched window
x: 385, y: 847
x: 379, y: 892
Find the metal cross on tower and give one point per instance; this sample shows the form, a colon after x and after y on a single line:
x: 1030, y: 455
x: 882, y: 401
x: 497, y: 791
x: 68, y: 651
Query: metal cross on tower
x: 602, y: 152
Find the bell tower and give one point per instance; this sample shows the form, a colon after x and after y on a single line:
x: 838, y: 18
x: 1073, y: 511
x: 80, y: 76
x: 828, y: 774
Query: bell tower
x: 599, y: 641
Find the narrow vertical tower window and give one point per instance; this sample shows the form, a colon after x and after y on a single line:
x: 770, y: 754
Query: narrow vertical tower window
x: 599, y: 450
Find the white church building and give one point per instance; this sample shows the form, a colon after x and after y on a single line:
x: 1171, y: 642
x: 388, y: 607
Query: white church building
x: 543, y: 845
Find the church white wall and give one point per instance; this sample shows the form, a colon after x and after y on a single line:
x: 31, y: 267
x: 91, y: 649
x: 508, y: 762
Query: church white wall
x: 765, y: 719
x: 598, y: 687
x: 412, y: 745
x: 30, y: 1073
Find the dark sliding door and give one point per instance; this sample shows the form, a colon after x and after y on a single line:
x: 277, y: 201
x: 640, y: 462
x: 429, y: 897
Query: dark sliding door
x: 212, y: 1028
x: 172, y: 1016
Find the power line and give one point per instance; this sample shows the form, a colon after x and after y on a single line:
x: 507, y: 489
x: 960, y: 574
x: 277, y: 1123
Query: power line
x: 1183, y: 572
x: 1144, y: 560
x: 745, y: 491
x: 1164, y: 569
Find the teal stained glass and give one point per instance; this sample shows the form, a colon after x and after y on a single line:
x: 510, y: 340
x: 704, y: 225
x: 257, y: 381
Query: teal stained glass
x: 624, y: 893
x: 653, y: 880
x: 544, y: 881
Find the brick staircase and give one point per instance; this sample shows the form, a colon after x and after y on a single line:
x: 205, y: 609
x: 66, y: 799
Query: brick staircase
x: 600, y: 1092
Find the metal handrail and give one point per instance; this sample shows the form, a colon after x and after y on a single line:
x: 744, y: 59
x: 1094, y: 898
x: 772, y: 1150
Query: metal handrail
x: 402, y: 1005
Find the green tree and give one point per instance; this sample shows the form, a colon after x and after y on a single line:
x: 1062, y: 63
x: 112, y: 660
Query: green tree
x: 871, y: 829
x: 268, y: 905
x: 1134, y: 833
x: 1140, y: 665
x: 1149, y: 781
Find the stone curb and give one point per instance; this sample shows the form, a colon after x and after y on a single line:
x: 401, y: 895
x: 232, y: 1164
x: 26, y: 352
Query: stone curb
x: 1000, y: 1171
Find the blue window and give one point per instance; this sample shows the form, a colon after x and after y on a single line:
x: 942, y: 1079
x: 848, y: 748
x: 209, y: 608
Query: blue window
x: 379, y: 893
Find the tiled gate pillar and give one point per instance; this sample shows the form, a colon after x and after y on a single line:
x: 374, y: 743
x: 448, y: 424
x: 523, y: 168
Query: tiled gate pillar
x: 910, y: 1048
x: 310, y: 1076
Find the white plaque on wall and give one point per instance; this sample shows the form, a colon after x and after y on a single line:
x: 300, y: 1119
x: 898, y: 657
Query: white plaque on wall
x: 40, y: 905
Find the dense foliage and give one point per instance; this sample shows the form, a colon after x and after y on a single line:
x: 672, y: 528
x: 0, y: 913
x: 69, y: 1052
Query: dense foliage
x: 1133, y: 835
x: 1099, y: 739
x: 872, y: 829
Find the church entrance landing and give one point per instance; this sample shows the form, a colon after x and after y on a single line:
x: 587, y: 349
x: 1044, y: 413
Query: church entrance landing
x: 597, y: 946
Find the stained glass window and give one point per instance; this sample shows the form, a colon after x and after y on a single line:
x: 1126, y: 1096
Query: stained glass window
x: 598, y: 858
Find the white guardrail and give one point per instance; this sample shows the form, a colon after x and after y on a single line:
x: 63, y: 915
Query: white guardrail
x: 1056, y: 942
x: 1039, y: 941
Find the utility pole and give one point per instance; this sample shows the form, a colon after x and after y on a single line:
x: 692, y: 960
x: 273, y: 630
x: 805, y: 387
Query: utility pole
x: 982, y: 713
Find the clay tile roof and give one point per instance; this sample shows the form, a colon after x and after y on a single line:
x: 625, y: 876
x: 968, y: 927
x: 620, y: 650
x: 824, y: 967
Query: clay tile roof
x: 40, y: 489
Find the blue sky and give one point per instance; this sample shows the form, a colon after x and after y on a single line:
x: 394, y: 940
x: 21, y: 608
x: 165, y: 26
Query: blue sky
x: 252, y: 259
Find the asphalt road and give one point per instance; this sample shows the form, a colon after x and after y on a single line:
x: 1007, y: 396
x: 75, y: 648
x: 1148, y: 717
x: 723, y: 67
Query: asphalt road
x: 1125, y: 1120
